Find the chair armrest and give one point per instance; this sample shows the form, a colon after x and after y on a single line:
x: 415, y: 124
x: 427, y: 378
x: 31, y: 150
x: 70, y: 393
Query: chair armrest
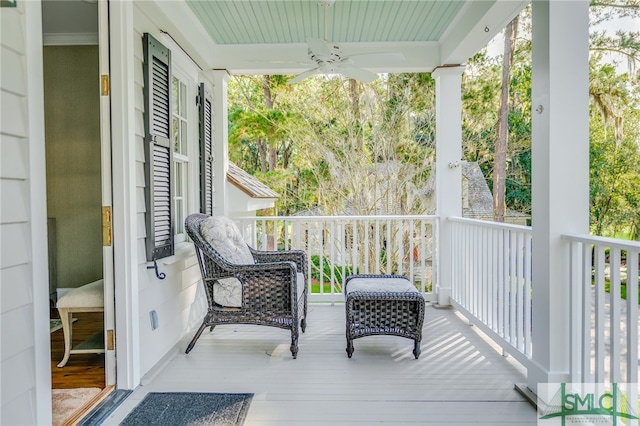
x: 299, y: 257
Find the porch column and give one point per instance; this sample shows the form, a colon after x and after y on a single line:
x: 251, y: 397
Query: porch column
x: 447, y: 168
x: 560, y: 172
x: 124, y: 142
x: 220, y: 142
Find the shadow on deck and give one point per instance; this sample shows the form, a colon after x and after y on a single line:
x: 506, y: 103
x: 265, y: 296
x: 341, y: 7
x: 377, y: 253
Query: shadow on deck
x: 460, y: 378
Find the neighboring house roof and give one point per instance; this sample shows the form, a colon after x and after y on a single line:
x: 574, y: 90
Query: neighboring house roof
x: 477, y: 200
x: 249, y: 184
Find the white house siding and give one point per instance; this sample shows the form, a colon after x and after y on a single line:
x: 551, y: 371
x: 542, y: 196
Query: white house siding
x: 177, y: 299
x: 24, y: 346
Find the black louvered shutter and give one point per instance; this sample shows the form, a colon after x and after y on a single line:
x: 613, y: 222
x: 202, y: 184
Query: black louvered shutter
x: 206, y: 151
x: 158, y: 151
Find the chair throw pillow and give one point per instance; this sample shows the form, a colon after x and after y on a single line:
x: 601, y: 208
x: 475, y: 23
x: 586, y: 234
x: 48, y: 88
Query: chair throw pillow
x: 228, y: 292
x: 224, y: 236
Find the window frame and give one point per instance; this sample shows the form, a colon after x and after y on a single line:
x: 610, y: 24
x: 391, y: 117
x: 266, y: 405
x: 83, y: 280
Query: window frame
x: 186, y: 73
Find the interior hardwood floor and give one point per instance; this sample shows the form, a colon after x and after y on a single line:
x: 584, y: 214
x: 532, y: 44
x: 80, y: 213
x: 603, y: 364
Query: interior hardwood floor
x: 82, y: 370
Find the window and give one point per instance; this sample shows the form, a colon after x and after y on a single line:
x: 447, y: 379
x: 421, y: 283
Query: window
x: 180, y: 140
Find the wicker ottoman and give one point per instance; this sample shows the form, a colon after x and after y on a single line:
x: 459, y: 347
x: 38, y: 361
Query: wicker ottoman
x: 383, y: 305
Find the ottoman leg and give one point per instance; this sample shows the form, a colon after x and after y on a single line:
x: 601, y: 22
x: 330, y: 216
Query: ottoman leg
x: 416, y: 349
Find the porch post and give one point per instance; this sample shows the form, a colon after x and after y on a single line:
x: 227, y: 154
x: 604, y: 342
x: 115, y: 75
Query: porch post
x: 220, y: 142
x: 560, y: 172
x: 125, y: 245
x: 447, y: 168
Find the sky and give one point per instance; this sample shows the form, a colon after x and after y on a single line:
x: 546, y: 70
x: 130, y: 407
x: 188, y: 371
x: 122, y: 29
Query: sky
x: 495, y: 46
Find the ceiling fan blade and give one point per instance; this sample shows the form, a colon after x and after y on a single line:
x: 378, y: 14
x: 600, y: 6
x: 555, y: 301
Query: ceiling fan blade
x: 357, y: 74
x: 277, y: 62
x: 319, y: 47
x: 298, y: 78
x: 387, y: 57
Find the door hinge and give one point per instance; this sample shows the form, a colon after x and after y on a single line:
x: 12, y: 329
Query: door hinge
x: 104, y: 85
x: 106, y: 226
x: 111, y: 342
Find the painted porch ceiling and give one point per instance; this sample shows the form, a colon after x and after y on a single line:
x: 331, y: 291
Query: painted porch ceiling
x: 269, y: 36
x: 258, y: 22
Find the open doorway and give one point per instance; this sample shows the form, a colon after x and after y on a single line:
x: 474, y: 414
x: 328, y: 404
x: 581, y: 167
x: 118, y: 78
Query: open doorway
x: 73, y: 141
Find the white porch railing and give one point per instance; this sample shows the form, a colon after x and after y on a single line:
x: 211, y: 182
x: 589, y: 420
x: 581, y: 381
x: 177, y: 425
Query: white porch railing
x: 604, y: 325
x: 338, y: 246
x: 491, y: 278
x: 492, y: 281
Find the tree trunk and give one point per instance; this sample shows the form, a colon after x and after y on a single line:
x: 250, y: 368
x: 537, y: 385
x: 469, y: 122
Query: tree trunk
x: 262, y: 155
x: 354, y: 93
x: 500, y: 161
x: 268, y: 102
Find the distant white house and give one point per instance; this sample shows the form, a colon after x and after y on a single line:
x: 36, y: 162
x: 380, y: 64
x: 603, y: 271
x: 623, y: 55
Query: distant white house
x: 477, y: 200
x: 246, y: 194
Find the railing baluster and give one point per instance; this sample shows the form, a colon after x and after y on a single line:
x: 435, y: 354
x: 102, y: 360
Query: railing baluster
x: 599, y: 314
x: 500, y: 282
x: 377, y: 245
x: 519, y: 320
x: 633, y: 259
x: 512, y: 288
x: 321, y: 225
x: 365, y: 228
x: 527, y: 295
x: 332, y: 254
x: 585, y: 286
x: 493, y: 272
x: 423, y: 244
x: 481, y: 250
x: 614, y: 315
x: 576, y: 305
x: 412, y: 249
x: 468, y: 268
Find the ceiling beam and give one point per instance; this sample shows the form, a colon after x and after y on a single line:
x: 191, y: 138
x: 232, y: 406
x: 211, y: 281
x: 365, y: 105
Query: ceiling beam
x: 475, y: 26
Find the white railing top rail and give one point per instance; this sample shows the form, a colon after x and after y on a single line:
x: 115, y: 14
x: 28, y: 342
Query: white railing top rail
x: 604, y: 241
x: 341, y: 217
x: 489, y: 224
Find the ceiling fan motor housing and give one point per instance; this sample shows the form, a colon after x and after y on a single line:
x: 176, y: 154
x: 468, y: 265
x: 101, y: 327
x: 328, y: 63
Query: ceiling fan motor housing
x: 333, y: 56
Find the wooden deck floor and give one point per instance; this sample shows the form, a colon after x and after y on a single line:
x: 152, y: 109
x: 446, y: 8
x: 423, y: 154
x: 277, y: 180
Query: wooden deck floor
x: 460, y: 379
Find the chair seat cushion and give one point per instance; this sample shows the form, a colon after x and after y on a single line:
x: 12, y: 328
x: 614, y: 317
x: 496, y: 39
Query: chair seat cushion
x: 228, y: 291
x: 225, y: 237
x: 88, y: 296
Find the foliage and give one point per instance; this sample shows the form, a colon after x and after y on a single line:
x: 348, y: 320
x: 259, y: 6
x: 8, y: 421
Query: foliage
x: 614, y: 177
x: 340, y: 273
x: 342, y: 147
x: 352, y: 148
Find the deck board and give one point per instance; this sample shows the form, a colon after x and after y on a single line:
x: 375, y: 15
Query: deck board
x: 460, y: 378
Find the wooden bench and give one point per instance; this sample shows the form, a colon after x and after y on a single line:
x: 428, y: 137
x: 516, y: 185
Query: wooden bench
x: 383, y: 305
x: 88, y: 298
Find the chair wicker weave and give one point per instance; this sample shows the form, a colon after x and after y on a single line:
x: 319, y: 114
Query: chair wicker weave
x: 273, y: 289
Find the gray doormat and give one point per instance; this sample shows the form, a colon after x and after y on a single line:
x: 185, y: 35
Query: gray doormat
x: 190, y: 408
